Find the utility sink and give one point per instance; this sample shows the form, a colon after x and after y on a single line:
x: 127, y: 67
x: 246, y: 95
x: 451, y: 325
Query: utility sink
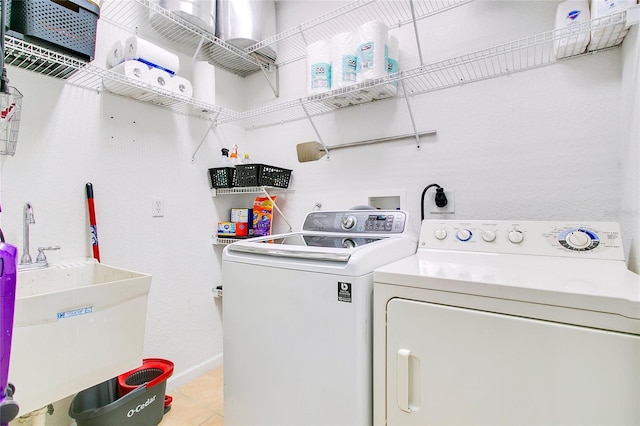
x: 76, y: 325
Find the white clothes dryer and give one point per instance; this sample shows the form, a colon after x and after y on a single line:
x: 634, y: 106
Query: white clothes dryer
x: 297, y: 314
x: 508, y: 322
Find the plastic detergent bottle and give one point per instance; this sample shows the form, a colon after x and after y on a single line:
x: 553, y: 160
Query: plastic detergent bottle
x: 246, y: 159
x: 234, y: 155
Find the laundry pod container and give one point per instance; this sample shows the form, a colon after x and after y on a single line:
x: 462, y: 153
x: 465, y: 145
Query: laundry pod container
x: 110, y: 403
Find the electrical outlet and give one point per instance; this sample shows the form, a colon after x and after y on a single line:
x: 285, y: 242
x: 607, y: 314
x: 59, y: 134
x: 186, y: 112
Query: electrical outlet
x: 449, y: 208
x: 157, y: 208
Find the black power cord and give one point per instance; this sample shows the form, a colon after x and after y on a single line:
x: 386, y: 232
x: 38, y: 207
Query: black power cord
x: 440, y: 199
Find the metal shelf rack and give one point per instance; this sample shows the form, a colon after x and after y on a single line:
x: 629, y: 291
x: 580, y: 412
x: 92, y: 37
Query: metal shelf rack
x: 249, y: 190
x: 291, y: 44
x: 146, y: 16
x: 265, y: 190
x: 519, y: 55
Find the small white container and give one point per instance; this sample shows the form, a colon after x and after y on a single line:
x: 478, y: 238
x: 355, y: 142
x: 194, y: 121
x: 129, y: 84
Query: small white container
x: 569, y: 16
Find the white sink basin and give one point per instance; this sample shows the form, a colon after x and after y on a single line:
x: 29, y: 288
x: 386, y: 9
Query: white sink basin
x: 76, y: 325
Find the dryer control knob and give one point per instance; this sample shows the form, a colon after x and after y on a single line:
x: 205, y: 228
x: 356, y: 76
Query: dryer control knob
x: 463, y: 235
x: 440, y: 234
x: 488, y: 235
x: 516, y: 237
x: 579, y: 239
x: 349, y: 222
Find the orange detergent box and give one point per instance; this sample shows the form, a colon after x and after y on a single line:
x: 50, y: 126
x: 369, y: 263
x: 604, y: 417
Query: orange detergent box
x: 242, y: 229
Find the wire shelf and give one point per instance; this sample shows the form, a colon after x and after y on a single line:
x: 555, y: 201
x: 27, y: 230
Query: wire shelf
x: 146, y: 16
x: 98, y: 78
x: 38, y: 59
x: 249, y: 190
x: 291, y: 44
x: 520, y: 55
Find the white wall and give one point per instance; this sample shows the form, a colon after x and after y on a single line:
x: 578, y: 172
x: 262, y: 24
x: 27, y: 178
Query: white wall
x: 533, y: 145
x: 629, y: 214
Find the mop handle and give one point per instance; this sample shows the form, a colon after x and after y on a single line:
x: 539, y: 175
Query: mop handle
x: 93, y: 227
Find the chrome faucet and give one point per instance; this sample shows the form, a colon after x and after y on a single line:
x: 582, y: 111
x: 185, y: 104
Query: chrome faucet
x: 27, y: 220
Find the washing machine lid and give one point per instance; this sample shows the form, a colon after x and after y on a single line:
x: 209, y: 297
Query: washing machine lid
x: 323, y: 247
x: 352, y: 242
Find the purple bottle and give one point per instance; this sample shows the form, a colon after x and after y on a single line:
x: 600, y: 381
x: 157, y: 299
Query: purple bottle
x: 8, y: 271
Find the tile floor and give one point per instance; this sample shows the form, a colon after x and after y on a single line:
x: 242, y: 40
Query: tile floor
x: 199, y: 403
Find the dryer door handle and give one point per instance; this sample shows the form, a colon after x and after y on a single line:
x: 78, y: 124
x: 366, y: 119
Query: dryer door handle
x: 403, y: 375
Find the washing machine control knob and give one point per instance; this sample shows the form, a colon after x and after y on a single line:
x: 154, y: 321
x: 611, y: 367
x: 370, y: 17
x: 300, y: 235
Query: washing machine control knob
x: 463, y: 235
x: 515, y: 236
x: 348, y: 243
x: 579, y: 239
x: 488, y: 235
x: 440, y: 234
x: 349, y: 222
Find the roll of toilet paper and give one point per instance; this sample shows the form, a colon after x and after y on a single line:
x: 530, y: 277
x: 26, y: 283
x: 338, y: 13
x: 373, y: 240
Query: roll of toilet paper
x: 181, y: 86
x: 612, y: 35
x: 318, y: 67
x: 343, y: 59
x: 131, y: 69
x: 159, y: 79
x: 151, y: 54
x: 371, y: 52
x: 204, y: 82
x: 115, y: 55
x: 569, y: 15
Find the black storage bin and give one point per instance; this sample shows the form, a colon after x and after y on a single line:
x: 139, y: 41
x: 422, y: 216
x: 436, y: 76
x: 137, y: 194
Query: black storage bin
x: 100, y: 405
x: 262, y: 175
x: 222, y: 177
x: 67, y: 26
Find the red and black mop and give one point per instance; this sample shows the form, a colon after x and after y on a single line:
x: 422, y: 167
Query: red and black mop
x: 93, y: 227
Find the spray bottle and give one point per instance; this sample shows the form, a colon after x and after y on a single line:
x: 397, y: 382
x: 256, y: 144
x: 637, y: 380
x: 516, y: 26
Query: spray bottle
x: 234, y: 155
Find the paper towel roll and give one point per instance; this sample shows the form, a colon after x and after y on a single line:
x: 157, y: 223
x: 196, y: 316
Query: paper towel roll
x: 204, y: 82
x: 343, y: 60
x: 613, y: 35
x: 570, y: 14
x: 393, y: 55
x: 318, y: 67
x: 151, y: 54
x: 371, y: 52
x: 181, y: 86
x: 158, y: 78
x: 115, y: 55
x: 131, y: 69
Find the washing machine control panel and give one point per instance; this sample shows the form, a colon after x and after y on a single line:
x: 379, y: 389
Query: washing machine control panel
x: 596, y: 240
x: 357, y: 221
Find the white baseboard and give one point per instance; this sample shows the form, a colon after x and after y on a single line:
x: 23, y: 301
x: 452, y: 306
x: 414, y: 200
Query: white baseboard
x: 178, y: 380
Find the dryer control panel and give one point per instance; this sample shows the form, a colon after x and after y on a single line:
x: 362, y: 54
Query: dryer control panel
x: 595, y: 240
x: 357, y: 221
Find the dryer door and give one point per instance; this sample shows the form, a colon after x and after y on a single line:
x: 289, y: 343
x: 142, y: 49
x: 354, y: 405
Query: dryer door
x: 448, y: 365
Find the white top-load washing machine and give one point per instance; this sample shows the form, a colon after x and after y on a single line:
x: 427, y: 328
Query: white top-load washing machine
x: 297, y: 319
x: 508, y: 322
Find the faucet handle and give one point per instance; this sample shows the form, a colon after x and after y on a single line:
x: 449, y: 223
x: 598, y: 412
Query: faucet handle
x: 41, y: 256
